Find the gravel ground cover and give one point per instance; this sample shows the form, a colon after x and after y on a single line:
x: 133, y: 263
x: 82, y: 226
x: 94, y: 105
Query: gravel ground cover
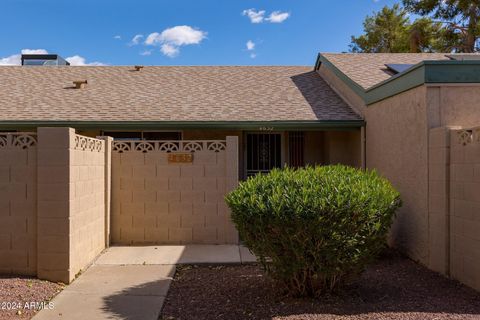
x: 392, y: 288
x: 21, y: 297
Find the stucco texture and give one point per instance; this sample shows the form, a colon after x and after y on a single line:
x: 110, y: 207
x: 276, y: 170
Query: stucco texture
x: 454, y: 105
x: 397, y: 146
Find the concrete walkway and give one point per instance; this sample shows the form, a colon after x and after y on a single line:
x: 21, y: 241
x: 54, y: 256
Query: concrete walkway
x: 132, y: 282
x: 210, y: 254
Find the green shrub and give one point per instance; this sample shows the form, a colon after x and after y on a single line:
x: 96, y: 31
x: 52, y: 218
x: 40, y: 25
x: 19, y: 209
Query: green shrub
x: 314, y: 228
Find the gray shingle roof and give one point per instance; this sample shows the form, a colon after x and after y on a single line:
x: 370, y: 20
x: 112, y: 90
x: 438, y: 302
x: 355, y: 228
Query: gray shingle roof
x: 164, y: 93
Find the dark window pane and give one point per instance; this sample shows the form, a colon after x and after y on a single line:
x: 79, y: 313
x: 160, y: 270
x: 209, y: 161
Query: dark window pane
x: 170, y: 135
x: 118, y: 135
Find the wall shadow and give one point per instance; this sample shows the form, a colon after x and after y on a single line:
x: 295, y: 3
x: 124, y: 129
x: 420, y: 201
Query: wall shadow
x: 140, y: 302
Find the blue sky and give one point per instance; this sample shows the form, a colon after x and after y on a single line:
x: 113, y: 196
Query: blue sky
x: 182, y: 32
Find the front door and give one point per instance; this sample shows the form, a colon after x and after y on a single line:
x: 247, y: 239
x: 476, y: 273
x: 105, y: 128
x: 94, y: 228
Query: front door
x: 264, y: 152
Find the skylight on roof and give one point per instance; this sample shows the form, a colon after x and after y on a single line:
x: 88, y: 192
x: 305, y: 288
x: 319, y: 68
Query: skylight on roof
x: 398, y: 67
x: 464, y: 57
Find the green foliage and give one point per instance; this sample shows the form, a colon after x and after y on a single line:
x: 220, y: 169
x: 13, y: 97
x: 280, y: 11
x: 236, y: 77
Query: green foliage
x: 391, y: 30
x: 384, y: 32
x: 461, y: 19
x: 314, y: 228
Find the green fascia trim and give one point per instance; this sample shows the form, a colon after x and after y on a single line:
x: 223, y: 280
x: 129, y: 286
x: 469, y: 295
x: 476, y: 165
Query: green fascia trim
x: 409, y: 79
x: 179, y: 125
x: 437, y: 71
x: 359, y: 90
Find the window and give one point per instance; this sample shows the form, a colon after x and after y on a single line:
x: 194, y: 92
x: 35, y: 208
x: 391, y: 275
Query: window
x: 296, y: 149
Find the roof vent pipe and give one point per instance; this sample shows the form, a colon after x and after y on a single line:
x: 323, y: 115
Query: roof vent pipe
x: 80, y: 84
x: 138, y: 68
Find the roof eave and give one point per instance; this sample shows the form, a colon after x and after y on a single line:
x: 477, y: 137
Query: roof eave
x: 425, y: 72
x: 181, y: 125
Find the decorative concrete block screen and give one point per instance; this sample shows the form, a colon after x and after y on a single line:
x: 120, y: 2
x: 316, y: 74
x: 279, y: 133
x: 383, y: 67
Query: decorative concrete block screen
x: 465, y: 206
x: 18, y: 199
x: 172, y: 192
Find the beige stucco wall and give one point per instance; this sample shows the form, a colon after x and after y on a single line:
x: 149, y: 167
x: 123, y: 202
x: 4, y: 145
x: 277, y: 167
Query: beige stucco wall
x: 397, y: 146
x: 465, y: 206
x: 454, y: 105
x: 438, y: 199
x: 314, y: 148
x: 87, y: 202
x: 18, y: 200
x: 155, y: 201
x: 342, y: 147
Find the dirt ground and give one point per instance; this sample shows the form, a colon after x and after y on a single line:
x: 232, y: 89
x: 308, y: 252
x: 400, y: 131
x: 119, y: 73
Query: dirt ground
x: 392, y: 288
x: 21, y: 297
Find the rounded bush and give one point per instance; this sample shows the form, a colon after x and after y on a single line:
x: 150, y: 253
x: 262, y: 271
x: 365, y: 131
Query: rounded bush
x: 315, y: 227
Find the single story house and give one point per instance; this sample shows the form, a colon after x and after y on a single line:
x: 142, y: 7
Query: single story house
x: 183, y: 136
x: 282, y: 115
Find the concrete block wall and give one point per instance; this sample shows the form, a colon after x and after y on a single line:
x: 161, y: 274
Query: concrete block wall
x: 70, y: 202
x: 465, y: 206
x: 155, y: 201
x: 87, y: 205
x: 18, y: 200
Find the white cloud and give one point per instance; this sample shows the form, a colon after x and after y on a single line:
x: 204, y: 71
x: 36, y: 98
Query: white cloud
x: 250, y: 45
x: 16, y: 59
x: 34, y: 51
x: 278, y: 17
x: 136, y: 39
x: 81, y: 61
x: 169, y: 50
x: 13, y: 60
x: 253, y: 55
x: 117, y: 37
x: 146, y: 53
x: 259, y: 16
x: 170, y: 40
x: 254, y: 16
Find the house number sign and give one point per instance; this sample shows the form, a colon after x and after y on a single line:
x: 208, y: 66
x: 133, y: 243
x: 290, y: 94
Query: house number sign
x: 266, y: 128
x: 180, y: 158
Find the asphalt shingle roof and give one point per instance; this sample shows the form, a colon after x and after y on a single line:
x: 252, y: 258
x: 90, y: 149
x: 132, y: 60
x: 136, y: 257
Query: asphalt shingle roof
x: 161, y: 93
x: 368, y: 69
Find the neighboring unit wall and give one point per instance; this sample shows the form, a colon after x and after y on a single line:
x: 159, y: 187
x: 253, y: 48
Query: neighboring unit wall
x: 155, y: 200
x: 396, y: 146
x: 465, y: 206
x: 454, y: 105
x: 18, y: 203
x: 438, y: 199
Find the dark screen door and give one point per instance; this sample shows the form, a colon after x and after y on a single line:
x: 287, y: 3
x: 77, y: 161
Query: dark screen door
x: 264, y: 152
